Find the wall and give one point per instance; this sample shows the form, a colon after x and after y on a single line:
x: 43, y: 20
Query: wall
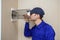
x: 0, y: 18
x: 59, y: 17
x: 9, y: 29
x: 51, y: 8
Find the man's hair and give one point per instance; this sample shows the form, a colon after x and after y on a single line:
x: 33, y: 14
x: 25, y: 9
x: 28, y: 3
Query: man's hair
x: 41, y: 16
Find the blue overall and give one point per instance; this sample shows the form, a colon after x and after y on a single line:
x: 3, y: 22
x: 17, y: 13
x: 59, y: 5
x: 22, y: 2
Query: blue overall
x: 43, y: 31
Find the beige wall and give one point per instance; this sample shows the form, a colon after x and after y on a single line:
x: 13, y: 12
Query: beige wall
x: 51, y: 8
x: 9, y: 29
x: 59, y: 17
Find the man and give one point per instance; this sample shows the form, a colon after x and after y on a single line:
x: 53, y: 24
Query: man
x: 41, y: 30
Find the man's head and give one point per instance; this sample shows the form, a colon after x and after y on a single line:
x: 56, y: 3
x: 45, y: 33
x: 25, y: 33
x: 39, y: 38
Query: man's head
x: 36, y: 13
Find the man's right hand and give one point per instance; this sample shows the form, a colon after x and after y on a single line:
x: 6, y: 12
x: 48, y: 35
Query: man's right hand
x: 26, y: 17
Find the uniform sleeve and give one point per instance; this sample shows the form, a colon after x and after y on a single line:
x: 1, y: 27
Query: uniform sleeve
x: 27, y: 31
x: 50, y: 34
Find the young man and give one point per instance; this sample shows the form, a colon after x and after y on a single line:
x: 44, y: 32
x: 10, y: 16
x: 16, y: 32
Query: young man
x: 41, y: 30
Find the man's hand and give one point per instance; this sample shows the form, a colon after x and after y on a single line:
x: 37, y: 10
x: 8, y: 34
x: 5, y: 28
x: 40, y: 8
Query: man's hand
x: 26, y: 17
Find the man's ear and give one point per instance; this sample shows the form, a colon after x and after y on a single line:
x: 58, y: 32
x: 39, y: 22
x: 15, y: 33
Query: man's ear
x: 35, y: 14
x: 38, y: 15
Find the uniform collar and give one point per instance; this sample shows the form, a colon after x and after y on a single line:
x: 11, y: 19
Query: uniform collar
x: 41, y: 24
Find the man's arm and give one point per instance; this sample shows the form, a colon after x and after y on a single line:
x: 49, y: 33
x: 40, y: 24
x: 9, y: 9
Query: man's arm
x: 50, y: 34
x: 27, y: 31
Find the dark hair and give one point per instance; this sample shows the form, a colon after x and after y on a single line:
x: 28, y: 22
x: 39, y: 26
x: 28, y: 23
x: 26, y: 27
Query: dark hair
x: 41, y: 16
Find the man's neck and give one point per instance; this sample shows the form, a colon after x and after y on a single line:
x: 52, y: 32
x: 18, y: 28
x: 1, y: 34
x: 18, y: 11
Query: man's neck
x: 38, y: 21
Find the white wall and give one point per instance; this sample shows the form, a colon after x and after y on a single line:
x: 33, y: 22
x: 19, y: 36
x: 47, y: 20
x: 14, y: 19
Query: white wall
x: 0, y: 19
x: 51, y: 14
x: 59, y: 17
x: 9, y: 28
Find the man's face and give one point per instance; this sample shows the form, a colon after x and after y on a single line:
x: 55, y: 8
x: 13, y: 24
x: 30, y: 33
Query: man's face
x: 34, y: 16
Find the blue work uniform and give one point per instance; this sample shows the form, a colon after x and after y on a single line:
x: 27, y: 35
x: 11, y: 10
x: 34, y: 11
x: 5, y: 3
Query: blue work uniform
x: 43, y: 31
